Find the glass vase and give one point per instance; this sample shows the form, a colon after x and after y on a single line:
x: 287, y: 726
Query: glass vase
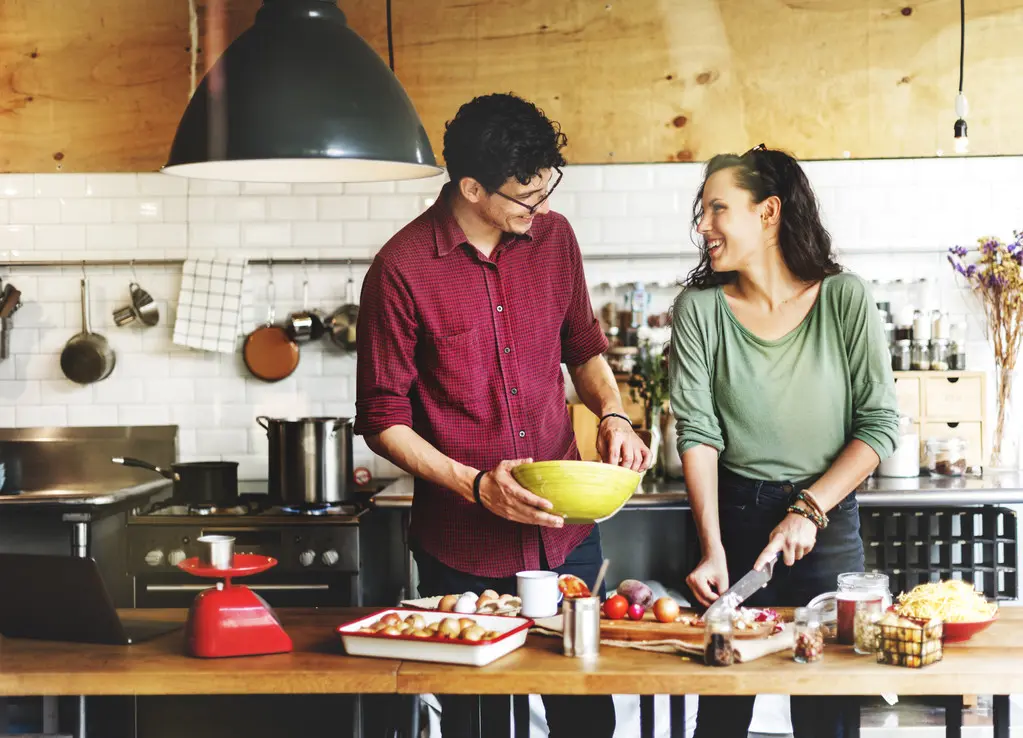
x: 1005, y: 437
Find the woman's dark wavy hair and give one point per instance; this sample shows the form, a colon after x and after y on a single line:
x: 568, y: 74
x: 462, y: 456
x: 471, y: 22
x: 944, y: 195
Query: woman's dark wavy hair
x: 494, y: 137
x: 805, y: 242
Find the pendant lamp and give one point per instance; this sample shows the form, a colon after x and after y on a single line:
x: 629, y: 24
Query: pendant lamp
x: 300, y: 97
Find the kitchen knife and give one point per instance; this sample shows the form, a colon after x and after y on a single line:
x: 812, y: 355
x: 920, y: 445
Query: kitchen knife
x: 741, y: 590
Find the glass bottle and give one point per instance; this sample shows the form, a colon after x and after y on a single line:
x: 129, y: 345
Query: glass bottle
x: 939, y: 355
x: 717, y: 639
x: 901, y: 356
x: 866, y: 633
x: 957, y: 346
x: 808, y: 646
x: 920, y: 357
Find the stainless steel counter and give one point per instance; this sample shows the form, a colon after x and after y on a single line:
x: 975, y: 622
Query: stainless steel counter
x: 78, y: 495
x: 993, y: 488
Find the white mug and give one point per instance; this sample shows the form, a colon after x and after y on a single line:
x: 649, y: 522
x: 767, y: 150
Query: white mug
x: 539, y: 593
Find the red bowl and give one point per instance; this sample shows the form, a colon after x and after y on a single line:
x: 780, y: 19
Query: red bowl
x: 958, y: 632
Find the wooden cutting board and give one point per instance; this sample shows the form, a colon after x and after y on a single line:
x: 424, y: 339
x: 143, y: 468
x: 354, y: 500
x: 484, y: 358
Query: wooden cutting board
x: 650, y: 629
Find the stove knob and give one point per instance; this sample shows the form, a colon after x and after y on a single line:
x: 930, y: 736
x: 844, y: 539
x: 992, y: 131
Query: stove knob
x: 154, y: 557
x: 175, y: 557
x: 306, y: 558
x: 329, y: 558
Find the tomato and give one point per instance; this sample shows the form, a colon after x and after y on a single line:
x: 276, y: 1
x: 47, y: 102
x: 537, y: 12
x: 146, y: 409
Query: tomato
x: 615, y: 607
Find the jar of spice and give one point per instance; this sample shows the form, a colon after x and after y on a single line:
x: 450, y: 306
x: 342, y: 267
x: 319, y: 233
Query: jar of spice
x: 920, y: 356
x: 866, y: 632
x: 901, y: 356
x: 808, y: 646
x: 957, y: 346
x: 717, y: 639
x: 939, y: 355
x: 946, y: 457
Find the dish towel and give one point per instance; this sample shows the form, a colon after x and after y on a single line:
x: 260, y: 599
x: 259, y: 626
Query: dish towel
x: 211, y: 304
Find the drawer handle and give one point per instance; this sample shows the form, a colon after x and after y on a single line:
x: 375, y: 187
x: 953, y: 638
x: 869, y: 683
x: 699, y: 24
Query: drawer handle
x: 951, y: 380
x: 952, y: 425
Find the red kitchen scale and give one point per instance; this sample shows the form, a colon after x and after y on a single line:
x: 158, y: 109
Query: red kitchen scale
x: 230, y: 619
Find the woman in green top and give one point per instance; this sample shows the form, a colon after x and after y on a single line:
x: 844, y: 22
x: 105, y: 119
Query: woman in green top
x: 782, y: 386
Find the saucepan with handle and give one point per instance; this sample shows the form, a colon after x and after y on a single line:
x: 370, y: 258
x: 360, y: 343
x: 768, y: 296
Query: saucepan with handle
x: 87, y: 357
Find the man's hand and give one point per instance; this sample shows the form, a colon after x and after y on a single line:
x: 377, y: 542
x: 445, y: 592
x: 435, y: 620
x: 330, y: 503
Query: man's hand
x: 794, y: 537
x: 506, y: 498
x: 709, y: 579
x: 618, y: 444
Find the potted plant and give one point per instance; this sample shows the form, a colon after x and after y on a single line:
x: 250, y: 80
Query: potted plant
x: 994, y: 272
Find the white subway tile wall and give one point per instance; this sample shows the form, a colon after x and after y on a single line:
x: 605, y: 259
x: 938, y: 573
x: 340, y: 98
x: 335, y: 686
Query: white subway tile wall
x: 890, y: 220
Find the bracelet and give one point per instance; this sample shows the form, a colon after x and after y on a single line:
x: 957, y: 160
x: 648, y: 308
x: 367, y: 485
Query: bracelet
x: 476, y: 489
x: 807, y: 497
x: 613, y: 415
x: 808, y: 515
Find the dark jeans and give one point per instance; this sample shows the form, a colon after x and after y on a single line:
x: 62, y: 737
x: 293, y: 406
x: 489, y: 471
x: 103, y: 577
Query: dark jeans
x: 567, y: 716
x: 749, y: 510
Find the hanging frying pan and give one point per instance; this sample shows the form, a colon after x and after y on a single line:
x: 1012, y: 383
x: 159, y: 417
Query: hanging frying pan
x: 269, y: 352
x: 87, y: 357
x: 342, y: 323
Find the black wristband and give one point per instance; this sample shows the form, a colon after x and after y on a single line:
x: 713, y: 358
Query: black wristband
x: 614, y: 415
x: 476, y: 489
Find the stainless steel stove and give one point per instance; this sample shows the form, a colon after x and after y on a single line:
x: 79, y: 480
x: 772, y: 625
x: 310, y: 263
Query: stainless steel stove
x: 317, y: 550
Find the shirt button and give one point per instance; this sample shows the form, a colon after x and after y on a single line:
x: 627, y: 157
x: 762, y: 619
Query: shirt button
x: 515, y: 390
x: 500, y: 308
x: 522, y: 434
x: 507, y: 349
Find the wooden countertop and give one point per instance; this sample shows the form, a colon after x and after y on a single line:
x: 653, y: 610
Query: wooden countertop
x: 992, y: 663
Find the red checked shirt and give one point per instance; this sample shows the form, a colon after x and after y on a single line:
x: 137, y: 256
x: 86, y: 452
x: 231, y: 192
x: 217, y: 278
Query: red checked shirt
x: 467, y: 351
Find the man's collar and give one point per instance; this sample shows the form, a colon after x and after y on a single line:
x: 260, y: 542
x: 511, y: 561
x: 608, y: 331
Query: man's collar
x: 447, y: 233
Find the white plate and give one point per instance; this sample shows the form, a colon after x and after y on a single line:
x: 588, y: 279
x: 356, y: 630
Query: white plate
x: 440, y: 650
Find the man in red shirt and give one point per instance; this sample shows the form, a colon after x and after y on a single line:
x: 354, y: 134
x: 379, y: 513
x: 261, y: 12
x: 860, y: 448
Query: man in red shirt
x: 466, y: 316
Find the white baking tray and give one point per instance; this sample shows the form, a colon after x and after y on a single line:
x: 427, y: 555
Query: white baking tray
x: 441, y: 650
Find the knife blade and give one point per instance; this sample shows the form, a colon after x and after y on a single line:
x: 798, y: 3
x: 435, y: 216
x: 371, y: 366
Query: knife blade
x: 744, y: 588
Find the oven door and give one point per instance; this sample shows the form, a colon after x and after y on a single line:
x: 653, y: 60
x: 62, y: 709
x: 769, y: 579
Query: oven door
x: 293, y: 590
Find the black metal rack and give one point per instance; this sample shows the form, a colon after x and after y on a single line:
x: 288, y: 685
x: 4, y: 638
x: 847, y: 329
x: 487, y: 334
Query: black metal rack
x: 914, y: 545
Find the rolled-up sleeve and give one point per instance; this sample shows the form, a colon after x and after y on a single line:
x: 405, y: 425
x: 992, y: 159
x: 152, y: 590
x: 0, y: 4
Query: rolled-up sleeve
x: 582, y: 338
x: 875, y: 411
x: 689, y: 372
x: 386, y: 344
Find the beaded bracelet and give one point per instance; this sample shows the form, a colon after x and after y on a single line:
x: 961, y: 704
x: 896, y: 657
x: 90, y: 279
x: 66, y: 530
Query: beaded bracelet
x: 811, y: 501
x: 809, y: 515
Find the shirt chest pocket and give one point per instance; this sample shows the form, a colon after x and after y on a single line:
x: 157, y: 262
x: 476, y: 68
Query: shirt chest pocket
x: 454, y: 368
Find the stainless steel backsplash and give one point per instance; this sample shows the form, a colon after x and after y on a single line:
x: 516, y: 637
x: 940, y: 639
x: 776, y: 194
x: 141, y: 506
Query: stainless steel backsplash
x: 35, y: 459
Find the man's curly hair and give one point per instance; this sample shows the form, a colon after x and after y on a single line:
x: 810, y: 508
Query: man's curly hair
x: 495, y: 137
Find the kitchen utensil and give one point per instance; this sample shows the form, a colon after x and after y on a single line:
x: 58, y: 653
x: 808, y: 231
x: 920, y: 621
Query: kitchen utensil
x: 231, y: 619
x: 306, y: 324
x: 269, y: 352
x: 512, y: 630
x: 580, y: 491
x: 310, y: 459
x: 196, y: 482
x: 124, y: 315
x: 539, y: 593
x: 6, y: 324
x: 600, y: 577
x: 216, y: 551
x: 581, y: 635
x: 144, y: 305
x: 750, y: 583
x: 87, y: 357
x: 9, y: 300
x: 342, y: 323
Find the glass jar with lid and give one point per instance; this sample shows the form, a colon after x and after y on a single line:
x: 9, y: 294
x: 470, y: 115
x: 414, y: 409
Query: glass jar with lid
x: 858, y: 586
x: 945, y: 457
x: 920, y: 356
x: 717, y: 638
x: 902, y: 356
x: 939, y: 355
x: 957, y: 345
x: 808, y: 645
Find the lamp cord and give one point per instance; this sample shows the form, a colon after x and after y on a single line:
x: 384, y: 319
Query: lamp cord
x: 962, y: 38
x: 390, y: 44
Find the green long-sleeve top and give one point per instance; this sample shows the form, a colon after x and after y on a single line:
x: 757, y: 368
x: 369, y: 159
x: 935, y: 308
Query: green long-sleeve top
x: 783, y: 410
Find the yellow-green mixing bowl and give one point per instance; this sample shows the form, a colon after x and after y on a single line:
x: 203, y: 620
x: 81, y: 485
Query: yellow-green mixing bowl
x: 581, y: 491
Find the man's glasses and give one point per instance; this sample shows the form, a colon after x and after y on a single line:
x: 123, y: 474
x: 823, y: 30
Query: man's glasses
x: 552, y: 185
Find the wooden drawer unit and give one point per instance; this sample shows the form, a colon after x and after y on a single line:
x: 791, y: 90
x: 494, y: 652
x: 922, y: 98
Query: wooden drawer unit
x: 961, y: 397
x: 944, y: 404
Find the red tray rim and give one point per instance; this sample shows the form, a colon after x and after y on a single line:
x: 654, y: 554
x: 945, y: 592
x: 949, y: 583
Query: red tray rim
x: 528, y: 623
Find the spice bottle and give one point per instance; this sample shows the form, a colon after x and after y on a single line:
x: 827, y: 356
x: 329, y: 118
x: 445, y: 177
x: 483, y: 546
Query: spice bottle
x: 939, y: 354
x: 717, y: 639
x: 957, y: 346
x: 901, y: 356
x: 920, y: 356
x: 808, y: 646
x: 866, y: 632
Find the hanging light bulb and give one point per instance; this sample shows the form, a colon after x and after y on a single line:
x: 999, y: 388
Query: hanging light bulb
x: 962, y: 142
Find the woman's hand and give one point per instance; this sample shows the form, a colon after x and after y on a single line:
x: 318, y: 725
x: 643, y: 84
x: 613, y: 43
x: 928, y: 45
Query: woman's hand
x: 794, y: 538
x: 710, y: 577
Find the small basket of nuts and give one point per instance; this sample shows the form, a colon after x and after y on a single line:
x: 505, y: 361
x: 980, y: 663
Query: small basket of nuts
x: 908, y: 642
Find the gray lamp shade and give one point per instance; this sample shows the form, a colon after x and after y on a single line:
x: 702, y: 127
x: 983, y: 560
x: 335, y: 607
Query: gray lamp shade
x: 300, y: 97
